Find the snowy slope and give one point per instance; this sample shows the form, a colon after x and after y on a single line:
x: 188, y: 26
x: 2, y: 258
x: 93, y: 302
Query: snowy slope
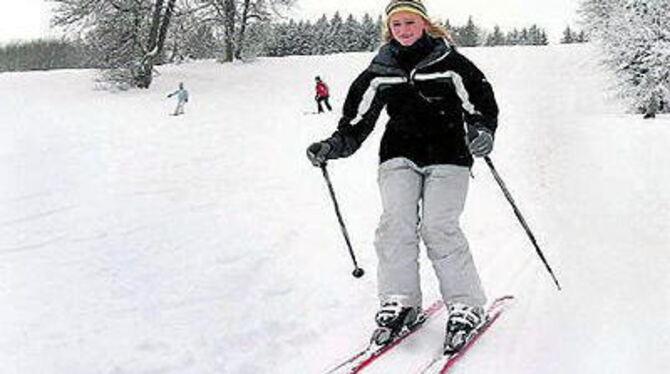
x: 133, y: 242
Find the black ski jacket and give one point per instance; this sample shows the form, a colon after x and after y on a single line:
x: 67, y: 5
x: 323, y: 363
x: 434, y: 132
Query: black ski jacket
x: 429, y: 90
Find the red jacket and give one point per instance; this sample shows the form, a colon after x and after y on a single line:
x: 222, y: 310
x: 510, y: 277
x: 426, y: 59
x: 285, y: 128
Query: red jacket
x: 321, y: 89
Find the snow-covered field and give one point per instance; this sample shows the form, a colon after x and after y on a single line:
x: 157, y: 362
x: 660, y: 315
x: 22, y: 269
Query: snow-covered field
x: 133, y: 242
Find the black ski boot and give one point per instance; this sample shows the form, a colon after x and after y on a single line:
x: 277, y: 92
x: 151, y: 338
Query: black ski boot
x: 392, y: 319
x: 462, y: 323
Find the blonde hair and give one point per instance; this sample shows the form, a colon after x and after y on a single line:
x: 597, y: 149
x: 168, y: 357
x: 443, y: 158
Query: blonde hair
x: 432, y: 28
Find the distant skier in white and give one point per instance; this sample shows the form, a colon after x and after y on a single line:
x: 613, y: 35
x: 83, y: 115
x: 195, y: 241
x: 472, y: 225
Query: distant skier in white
x: 182, y: 99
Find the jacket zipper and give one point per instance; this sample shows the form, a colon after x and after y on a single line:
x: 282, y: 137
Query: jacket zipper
x: 414, y: 71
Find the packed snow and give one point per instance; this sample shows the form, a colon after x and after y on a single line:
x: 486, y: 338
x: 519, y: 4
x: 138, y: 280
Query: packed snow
x: 135, y: 242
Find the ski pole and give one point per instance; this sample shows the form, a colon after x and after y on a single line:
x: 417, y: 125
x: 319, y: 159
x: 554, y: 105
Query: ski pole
x: 519, y: 216
x: 358, y: 272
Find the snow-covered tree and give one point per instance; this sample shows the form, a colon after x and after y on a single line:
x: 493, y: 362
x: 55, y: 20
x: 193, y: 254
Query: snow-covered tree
x: 635, y: 36
x: 447, y: 25
x: 351, y: 34
x: 468, y: 35
x: 321, y: 29
x: 572, y: 36
x: 160, y: 21
x: 334, y: 41
x: 370, y: 33
x: 324, y: 36
x: 537, y: 36
x: 513, y: 37
x: 191, y: 39
x: 126, y: 36
x: 496, y: 37
x: 581, y: 37
x: 568, y: 36
x: 304, y: 38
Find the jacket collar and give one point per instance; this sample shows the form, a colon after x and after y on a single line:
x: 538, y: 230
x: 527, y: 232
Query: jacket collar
x: 386, y: 61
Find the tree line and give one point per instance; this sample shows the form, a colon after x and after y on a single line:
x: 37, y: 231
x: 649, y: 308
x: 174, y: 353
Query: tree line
x: 571, y: 36
x: 42, y: 55
x: 336, y: 35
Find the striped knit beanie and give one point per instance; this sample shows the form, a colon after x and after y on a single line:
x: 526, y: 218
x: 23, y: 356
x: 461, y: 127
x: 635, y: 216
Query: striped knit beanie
x: 412, y: 6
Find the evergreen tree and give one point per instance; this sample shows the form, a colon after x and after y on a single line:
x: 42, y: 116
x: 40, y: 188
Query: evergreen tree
x: 523, y: 37
x: 496, y: 37
x: 304, y: 38
x: 369, y: 34
x: 334, y: 38
x: 544, y: 39
x: 325, y: 36
x: 568, y: 36
x: 321, y: 28
x: 447, y: 26
x: 350, y: 34
x: 292, y: 38
x: 537, y: 36
x: 468, y: 35
x: 581, y: 37
x: 260, y: 37
x: 513, y: 37
x: 277, y: 45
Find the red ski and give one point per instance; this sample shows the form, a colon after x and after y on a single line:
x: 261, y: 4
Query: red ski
x: 372, y: 352
x: 442, y: 363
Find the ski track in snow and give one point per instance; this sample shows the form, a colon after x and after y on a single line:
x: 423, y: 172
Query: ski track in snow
x: 134, y: 242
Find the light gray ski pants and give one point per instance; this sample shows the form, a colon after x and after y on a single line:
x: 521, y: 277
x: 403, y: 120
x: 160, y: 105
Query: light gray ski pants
x: 180, y: 108
x: 426, y: 203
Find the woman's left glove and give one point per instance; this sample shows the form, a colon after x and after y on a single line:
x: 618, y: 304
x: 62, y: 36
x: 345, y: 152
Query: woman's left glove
x: 482, y: 144
x: 318, y: 152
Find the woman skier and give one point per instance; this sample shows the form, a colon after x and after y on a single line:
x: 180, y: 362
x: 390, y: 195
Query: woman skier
x: 442, y: 111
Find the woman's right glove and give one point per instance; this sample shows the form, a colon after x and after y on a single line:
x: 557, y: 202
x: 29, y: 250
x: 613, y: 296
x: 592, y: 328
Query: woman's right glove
x: 318, y: 153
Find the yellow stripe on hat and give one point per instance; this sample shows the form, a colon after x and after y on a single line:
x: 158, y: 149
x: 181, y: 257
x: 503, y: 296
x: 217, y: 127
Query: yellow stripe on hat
x: 416, y: 5
x: 409, y: 9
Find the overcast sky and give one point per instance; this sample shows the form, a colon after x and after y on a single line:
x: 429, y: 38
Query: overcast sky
x: 23, y: 19
x: 28, y: 19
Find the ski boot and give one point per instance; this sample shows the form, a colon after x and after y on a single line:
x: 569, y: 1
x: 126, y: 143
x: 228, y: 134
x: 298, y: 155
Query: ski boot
x: 462, y: 324
x: 392, y: 319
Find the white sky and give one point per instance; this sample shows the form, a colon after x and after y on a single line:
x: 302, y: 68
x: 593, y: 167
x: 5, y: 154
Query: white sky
x: 24, y: 19
x: 28, y: 19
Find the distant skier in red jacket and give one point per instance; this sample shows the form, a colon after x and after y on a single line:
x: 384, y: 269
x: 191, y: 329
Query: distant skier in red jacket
x: 322, y: 95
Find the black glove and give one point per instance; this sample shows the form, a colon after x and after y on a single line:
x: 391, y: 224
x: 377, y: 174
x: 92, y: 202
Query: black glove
x: 481, y: 142
x: 317, y: 153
